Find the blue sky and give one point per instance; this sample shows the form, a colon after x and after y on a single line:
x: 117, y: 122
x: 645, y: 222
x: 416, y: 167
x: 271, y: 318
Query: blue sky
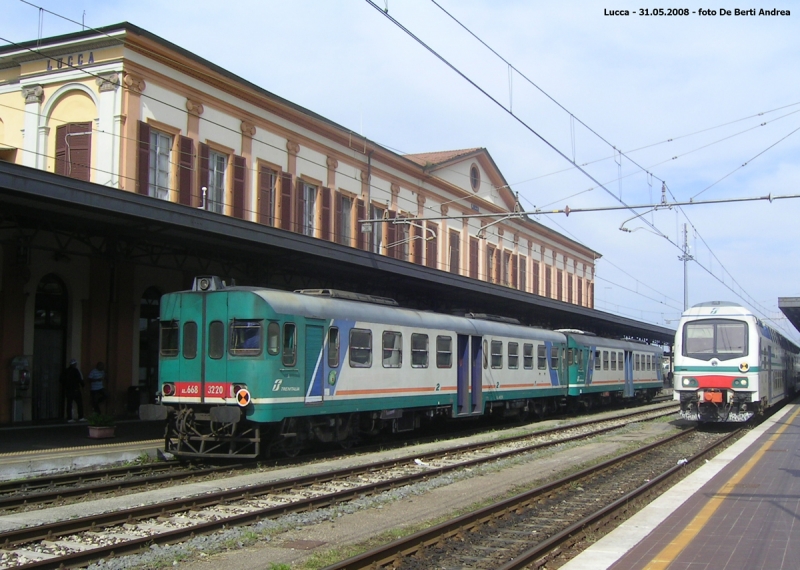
x: 689, y: 99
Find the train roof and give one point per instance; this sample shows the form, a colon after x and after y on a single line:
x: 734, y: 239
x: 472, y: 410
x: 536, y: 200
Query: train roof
x: 600, y: 342
x: 315, y: 306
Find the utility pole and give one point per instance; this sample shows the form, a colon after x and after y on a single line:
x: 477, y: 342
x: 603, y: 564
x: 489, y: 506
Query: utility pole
x: 685, y: 258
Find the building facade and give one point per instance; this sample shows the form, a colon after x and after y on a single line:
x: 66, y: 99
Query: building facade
x: 128, y: 110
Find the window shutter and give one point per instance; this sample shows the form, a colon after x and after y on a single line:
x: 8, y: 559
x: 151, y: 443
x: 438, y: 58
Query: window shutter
x: 185, y: 170
x: 455, y: 252
x: 337, y: 219
x: 414, y: 233
x: 61, y: 150
x: 239, y: 183
x: 391, y: 236
x: 143, y: 165
x: 523, y: 273
x: 362, y: 237
x: 326, y: 214
x: 286, y: 201
x: 535, y: 279
x: 473, y: 258
x: 432, y: 246
x: 79, y: 151
x: 299, y: 205
x: 265, y: 184
x: 203, y: 174
x: 514, y: 283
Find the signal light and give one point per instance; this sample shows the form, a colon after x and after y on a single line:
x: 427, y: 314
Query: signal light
x: 168, y: 389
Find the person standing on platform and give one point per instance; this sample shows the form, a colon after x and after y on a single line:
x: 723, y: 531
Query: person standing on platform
x: 72, y: 384
x: 97, y: 379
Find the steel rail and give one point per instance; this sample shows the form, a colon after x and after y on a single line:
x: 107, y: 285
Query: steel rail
x: 81, y: 477
x: 108, y: 486
x: 411, y: 544
x: 95, y: 522
x: 539, y: 551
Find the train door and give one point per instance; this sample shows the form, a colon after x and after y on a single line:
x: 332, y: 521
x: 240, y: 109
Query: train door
x: 469, y: 375
x: 192, y: 357
x: 769, y: 373
x: 477, y: 374
x: 215, y: 364
x: 313, y: 364
x: 628, y: 369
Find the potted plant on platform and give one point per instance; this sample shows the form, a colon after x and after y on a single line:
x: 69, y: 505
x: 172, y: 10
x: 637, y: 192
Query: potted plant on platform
x: 101, y: 426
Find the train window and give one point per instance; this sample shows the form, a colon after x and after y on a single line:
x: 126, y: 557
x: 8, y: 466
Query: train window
x: 715, y: 338
x: 289, y: 344
x: 527, y: 356
x: 189, y: 340
x: 360, y: 348
x: 636, y: 362
x: 648, y: 362
x: 620, y: 360
x: 554, y: 358
x: 170, y: 334
x: 444, y: 351
x: 273, y: 338
x: 216, y: 339
x: 513, y: 355
x: 580, y: 358
x: 419, y: 350
x: 485, y: 353
x: 597, y: 360
x: 541, y: 357
x: 497, y: 354
x: 613, y: 360
x: 333, y: 347
x: 392, y: 349
x: 570, y: 357
x: 605, y: 360
x: 245, y: 337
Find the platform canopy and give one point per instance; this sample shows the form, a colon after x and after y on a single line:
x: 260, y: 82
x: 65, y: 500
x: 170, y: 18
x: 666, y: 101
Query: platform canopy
x: 790, y: 306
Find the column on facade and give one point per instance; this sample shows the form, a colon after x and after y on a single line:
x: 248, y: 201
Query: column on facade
x: 134, y: 86
x: 106, y: 128
x: 249, y: 201
x: 32, y: 146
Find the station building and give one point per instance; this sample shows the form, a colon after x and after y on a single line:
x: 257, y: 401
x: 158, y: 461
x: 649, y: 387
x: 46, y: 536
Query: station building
x: 122, y: 108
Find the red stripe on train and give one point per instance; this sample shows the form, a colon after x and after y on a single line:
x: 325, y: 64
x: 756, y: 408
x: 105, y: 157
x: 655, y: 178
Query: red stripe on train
x: 714, y: 381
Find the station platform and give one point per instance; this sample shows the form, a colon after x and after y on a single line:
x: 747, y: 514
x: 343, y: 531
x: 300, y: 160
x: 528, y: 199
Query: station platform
x: 740, y: 511
x: 30, y: 450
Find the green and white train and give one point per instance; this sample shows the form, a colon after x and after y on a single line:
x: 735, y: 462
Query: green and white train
x: 729, y: 365
x: 244, y: 371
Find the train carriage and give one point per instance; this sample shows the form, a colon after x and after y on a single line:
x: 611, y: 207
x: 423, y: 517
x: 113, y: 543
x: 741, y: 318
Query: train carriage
x: 601, y: 370
x: 730, y: 366
x: 241, y: 367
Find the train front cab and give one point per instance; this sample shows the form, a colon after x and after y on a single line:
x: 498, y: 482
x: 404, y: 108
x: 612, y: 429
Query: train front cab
x: 718, y: 376
x: 206, y: 354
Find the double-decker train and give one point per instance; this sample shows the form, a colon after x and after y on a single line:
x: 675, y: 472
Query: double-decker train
x: 729, y: 365
x: 244, y: 371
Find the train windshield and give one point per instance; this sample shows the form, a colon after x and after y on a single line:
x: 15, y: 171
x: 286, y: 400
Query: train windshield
x: 715, y: 338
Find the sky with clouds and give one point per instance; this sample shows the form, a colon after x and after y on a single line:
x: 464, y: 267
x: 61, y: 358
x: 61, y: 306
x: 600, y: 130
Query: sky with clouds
x: 707, y: 104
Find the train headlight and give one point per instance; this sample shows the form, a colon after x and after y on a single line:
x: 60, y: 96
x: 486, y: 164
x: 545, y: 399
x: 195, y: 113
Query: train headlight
x: 690, y: 382
x: 237, y: 387
x: 740, y: 382
x: 168, y: 389
x: 744, y: 367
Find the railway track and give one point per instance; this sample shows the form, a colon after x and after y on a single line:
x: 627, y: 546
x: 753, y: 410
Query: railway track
x: 62, y: 488
x: 550, y: 517
x: 82, y: 540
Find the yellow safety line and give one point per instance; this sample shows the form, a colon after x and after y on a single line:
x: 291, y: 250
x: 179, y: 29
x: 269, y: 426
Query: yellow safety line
x: 670, y: 552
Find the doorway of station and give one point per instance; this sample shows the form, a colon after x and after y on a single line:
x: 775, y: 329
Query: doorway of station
x: 149, y: 311
x: 49, y: 345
